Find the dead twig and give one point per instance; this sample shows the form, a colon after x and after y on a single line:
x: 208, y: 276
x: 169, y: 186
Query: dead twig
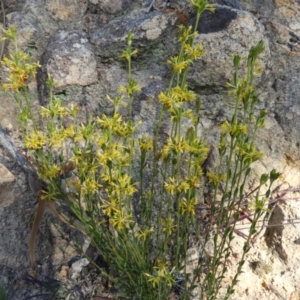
x: 37, y: 186
x: 276, y: 292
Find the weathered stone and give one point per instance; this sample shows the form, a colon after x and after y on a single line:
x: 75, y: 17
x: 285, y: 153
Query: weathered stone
x: 40, y: 19
x: 95, y: 21
x: 217, y: 21
x: 234, y: 37
x: 231, y: 3
x: 69, y: 59
x: 113, y: 6
x: 148, y: 29
x: 8, y: 111
x: 110, y: 78
x: 279, y: 3
x: 7, y: 180
x: 30, y: 33
x: 288, y: 112
x: 67, y: 9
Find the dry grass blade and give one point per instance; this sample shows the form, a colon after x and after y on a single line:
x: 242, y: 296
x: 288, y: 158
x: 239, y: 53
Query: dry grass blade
x: 37, y: 221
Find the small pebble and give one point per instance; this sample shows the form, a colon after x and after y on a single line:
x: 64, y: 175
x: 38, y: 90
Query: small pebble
x: 79, y: 264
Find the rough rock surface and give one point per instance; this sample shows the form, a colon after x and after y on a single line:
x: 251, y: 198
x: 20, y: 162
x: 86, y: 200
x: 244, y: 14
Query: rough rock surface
x: 231, y: 31
x: 79, y: 43
x: 148, y: 30
x: 69, y: 59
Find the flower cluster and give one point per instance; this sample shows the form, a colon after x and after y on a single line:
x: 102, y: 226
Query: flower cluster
x: 18, y: 64
x: 161, y: 273
x: 176, y: 97
x: 136, y: 196
x: 35, y: 140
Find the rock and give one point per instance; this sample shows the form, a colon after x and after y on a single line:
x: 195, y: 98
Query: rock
x: 235, y: 32
x: 113, y: 6
x: 68, y: 10
x: 40, y: 19
x: 272, y: 263
x: 69, y: 60
x: 6, y: 124
x: 79, y: 264
x: 29, y: 31
x: 148, y: 30
x: 7, y: 180
x: 110, y: 78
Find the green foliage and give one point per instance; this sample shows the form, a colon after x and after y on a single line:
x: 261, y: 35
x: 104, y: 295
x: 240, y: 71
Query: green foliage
x: 145, y: 229
x: 3, y: 293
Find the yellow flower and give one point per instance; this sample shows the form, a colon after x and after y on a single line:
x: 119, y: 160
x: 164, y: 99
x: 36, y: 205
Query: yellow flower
x: 154, y: 279
x: 184, y: 94
x: 161, y: 264
x: 202, y: 5
x: 177, y: 64
x: 169, y: 226
x: 184, y: 186
x: 45, y: 112
x: 109, y: 175
x: 174, y: 99
x: 127, y: 54
x: 215, y: 178
x: 188, y: 206
x: 122, y: 90
x: 78, y: 137
x: 195, y: 52
x: 185, y: 33
x: 109, y: 156
x: 69, y: 132
x: 20, y: 69
x: 124, y: 129
x: 13, y: 86
x: 166, y: 100
x: 259, y: 204
x: 143, y: 234
x: 87, y: 131
x: 82, y: 158
x: 120, y: 220
x: 50, y: 172
x: 35, y: 140
x: 210, y: 7
x: 110, y: 207
x: 145, y: 143
x: 234, y: 129
x: 161, y: 273
x: 195, y: 180
x: 90, y: 186
x: 176, y: 145
x: 196, y: 146
x: 56, y: 137
x: 258, y: 68
x: 249, y: 153
x: 132, y: 87
x: 109, y: 123
x: 11, y: 33
x: 123, y: 187
x: 57, y: 109
x: 174, y: 187
x: 73, y: 110
x: 50, y: 194
x: 171, y: 187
